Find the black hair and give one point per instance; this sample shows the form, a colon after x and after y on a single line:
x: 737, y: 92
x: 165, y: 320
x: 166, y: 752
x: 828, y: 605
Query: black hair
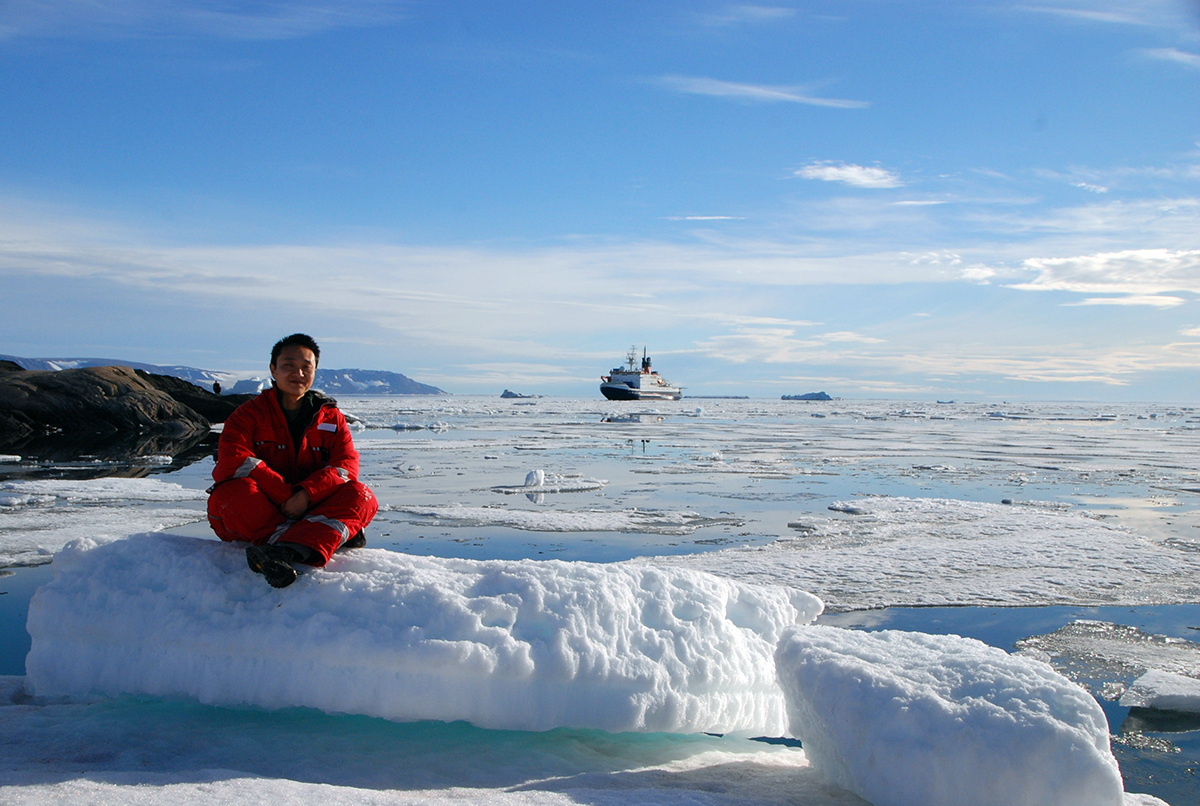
x: 296, y: 340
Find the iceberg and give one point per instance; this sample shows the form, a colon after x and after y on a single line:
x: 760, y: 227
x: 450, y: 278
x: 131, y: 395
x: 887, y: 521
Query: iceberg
x: 521, y: 645
x: 901, y: 718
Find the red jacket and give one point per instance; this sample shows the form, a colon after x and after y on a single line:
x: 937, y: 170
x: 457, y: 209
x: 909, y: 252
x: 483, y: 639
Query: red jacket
x: 256, y: 444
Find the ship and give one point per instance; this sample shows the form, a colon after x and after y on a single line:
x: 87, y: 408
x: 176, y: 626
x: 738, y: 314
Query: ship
x: 630, y: 383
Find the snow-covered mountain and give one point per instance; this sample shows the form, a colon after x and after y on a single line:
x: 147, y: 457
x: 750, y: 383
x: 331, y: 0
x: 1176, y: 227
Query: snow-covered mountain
x: 348, y: 382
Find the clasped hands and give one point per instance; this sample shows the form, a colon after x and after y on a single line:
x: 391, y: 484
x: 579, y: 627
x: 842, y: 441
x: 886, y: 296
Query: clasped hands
x: 295, y: 507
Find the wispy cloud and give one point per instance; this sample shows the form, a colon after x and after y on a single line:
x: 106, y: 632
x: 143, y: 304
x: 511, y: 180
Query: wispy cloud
x: 758, y: 93
x: 703, y: 218
x: 744, y: 14
x: 1154, y: 13
x: 1135, y: 276
x: 1099, y: 12
x: 861, y: 176
x: 1153, y: 300
x: 1173, y: 55
x: 264, y: 20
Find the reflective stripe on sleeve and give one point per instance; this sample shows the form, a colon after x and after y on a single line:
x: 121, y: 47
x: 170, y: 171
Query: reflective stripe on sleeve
x: 345, y: 474
x: 247, y: 467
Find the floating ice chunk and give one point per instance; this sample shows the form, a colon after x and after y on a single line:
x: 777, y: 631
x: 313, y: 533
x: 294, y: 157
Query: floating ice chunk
x: 901, y: 718
x: 39, y: 517
x: 9, y: 458
x: 107, y: 490
x: 1097, y: 650
x: 521, y: 645
x: 1165, y: 691
x: 628, y: 520
x: 552, y: 483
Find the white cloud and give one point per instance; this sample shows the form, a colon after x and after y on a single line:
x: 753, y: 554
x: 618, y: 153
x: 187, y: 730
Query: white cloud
x: 1173, y: 55
x: 745, y: 14
x: 861, y: 176
x: 1153, y: 300
x: 263, y: 20
x: 1140, y: 276
x: 762, y: 93
x: 1156, y: 13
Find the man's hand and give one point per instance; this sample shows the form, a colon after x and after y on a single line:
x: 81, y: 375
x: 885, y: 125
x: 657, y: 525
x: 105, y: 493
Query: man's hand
x: 297, y: 505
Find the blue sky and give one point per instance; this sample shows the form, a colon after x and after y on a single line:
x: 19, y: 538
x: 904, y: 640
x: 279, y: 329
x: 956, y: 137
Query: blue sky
x: 875, y: 198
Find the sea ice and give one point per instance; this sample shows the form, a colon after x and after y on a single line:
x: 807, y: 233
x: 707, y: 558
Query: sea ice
x: 1099, y: 653
x: 930, y: 551
x: 554, y: 520
x: 541, y: 481
x: 38, y: 518
x: 1164, y: 691
x: 521, y: 645
x: 902, y: 718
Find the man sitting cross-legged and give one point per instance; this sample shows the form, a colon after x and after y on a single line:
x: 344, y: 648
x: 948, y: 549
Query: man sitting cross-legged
x: 287, y: 472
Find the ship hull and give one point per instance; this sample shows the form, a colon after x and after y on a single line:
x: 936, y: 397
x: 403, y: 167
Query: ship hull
x: 620, y: 391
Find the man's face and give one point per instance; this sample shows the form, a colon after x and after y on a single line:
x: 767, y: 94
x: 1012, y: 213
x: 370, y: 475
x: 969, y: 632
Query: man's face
x: 294, y: 370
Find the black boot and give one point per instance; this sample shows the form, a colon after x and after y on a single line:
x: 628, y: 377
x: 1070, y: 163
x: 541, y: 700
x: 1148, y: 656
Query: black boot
x: 274, y: 563
x: 356, y: 542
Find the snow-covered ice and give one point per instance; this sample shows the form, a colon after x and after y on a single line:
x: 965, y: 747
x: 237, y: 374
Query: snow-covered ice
x: 557, y: 520
x: 1164, y: 691
x: 539, y: 481
x: 39, y: 517
x: 1103, y: 511
x: 520, y: 645
x: 903, y: 718
x: 926, y: 551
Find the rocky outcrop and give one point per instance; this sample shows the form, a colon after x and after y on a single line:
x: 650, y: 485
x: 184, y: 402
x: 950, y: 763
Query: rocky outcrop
x: 96, y: 403
x: 214, y: 408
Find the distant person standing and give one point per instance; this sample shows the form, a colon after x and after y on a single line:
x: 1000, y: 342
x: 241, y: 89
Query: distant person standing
x: 216, y: 387
x: 287, y: 472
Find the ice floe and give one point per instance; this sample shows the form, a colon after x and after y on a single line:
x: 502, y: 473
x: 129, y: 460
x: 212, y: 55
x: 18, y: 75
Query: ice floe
x: 1164, y: 691
x: 541, y: 481
x: 503, y: 644
x: 1106, y: 657
x: 39, y: 517
x: 931, y: 551
x: 902, y: 718
x: 552, y: 520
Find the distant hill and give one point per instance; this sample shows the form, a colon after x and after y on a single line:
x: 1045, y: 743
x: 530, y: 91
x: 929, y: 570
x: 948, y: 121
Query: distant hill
x: 347, y: 382
x: 370, y: 382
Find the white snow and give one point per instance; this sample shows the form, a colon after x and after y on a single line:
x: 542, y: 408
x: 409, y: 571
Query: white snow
x: 520, y: 645
x: 38, y: 518
x: 903, y: 718
x: 932, y: 551
x: 555, y: 520
x: 1165, y: 691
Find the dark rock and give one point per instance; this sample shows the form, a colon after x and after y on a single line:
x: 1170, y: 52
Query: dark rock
x: 809, y: 396
x: 215, y: 408
x: 11, y: 366
x: 95, y: 403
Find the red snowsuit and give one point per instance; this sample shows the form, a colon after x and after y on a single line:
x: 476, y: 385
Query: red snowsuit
x: 258, y: 469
